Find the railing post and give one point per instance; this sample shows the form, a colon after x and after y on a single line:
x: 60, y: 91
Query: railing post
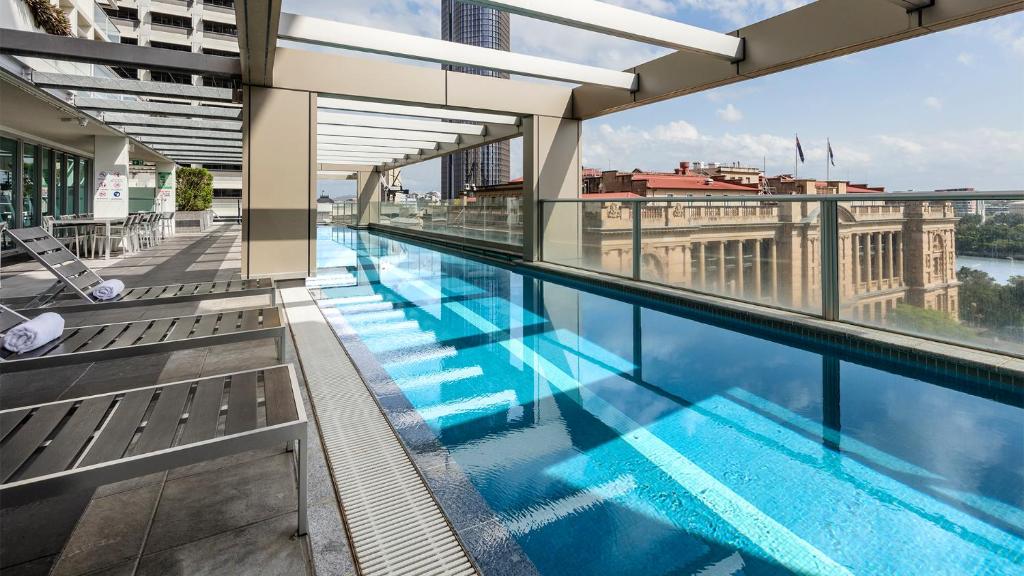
x: 637, y: 229
x: 829, y: 259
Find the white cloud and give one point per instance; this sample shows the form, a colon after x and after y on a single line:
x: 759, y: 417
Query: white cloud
x: 965, y: 58
x: 730, y: 113
x: 933, y: 102
x: 899, y: 144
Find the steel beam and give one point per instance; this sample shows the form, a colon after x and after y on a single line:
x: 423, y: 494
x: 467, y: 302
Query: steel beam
x: 386, y: 134
x: 376, y: 121
x: 361, y: 38
x: 173, y: 148
x: 125, y: 86
x: 815, y: 32
x: 41, y: 45
x: 147, y: 107
x: 257, y: 22
x: 118, y: 118
x: 333, y: 103
x: 624, y: 23
x: 183, y: 132
x: 496, y: 134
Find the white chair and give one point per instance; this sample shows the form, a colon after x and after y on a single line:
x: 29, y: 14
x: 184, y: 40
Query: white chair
x: 122, y: 233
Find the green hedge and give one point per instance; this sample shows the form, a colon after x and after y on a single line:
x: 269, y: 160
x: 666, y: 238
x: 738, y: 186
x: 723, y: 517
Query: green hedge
x: 193, y: 189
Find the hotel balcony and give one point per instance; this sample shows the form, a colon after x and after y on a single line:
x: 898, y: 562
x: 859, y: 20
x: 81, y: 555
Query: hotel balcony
x: 443, y: 323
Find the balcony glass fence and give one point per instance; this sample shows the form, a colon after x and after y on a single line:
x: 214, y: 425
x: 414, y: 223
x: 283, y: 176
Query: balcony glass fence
x: 494, y: 220
x: 105, y: 25
x: 924, y: 264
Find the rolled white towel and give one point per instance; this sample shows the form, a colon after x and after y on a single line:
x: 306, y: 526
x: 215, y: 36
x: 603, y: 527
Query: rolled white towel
x: 32, y: 334
x: 107, y: 289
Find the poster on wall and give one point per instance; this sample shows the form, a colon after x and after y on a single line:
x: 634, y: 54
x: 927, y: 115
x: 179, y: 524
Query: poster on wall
x: 110, y: 199
x: 165, y: 190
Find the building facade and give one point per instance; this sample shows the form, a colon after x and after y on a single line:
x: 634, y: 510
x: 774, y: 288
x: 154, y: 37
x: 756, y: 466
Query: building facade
x: 488, y: 28
x: 203, y: 26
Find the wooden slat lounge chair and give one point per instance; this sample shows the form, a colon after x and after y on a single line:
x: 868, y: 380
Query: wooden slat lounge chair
x: 49, y: 449
x: 121, y: 339
x: 74, y: 277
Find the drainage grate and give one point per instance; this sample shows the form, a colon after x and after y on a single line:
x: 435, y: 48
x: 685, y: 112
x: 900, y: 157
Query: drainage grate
x: 395, y: 525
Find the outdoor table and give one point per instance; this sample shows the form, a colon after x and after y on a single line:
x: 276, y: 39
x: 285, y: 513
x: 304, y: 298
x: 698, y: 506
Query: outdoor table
x: 108, y: 222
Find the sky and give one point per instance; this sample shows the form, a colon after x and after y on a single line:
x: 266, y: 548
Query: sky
x: 942, y: 111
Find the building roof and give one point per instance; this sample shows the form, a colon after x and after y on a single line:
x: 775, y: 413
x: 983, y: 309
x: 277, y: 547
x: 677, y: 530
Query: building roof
x: 610, y: 195
x: 690, y: 182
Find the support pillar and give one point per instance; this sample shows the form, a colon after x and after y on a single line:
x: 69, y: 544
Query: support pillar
x: 368, y: 197
x: 774, y: 271
x: 891, y: 273
x: 877, y: 237
x: 110, y: 177
x: 856, y: 263
x: 278, y: 183
x: 868, y: 257
x: 899, y: 256
x: 552, y: 169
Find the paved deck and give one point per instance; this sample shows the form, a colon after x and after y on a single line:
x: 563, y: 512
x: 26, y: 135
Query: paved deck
x: 236, y: 515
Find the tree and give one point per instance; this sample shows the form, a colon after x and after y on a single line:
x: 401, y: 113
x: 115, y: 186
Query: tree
x: 928, y: 322
x: 193, y: 189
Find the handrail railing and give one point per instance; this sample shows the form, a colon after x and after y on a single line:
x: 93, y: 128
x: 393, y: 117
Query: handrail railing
x: 855, y: 257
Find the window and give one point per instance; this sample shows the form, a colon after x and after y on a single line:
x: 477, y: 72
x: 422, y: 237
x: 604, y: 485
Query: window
x: 171, y: 20
x: 45, y: 178
x: 71, y: 184
x: 29, y: 187
x: 172, y: 77
x: 123, y: 13
x: 220, y: 28
x: 83, y: 186
x: 221, y: 3
x: 8, y: 155
x: 171, y: 46
x: 225, y: 53
x: 218, y: 82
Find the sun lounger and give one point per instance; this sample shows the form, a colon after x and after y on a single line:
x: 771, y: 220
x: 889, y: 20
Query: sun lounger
x: 74, y: 277
x: 55, y: 448
x: 121, y: 339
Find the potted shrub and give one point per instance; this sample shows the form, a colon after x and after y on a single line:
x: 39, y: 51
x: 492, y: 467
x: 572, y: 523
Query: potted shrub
x: 194, y: 195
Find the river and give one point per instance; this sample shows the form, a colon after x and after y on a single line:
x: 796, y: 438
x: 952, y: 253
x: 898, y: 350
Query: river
x: 998, y: 268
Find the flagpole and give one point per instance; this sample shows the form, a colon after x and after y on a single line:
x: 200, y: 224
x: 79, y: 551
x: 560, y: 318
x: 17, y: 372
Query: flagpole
x: 796, y: 158
x: 828, y: 160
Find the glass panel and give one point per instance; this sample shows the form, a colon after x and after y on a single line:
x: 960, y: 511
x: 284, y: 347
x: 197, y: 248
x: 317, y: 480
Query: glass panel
x: 766, y: 252
x: 83, y: 186
x: 70, y: 190
x: 916, y: 267
x: 8, y: 154
x: 492, y: 218
x: 30, y: 188
x: 59, y: 201
x: 593, y: 235
x: 46, y: 178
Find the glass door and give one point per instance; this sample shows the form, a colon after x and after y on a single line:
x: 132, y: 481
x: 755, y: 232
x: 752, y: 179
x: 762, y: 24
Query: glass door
x: 71, y: 180
x: 45, y: 182
x: 8, y: 157
x: 29, y: 186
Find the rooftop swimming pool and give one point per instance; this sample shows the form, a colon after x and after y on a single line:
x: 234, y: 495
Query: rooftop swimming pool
x: 598, y: 435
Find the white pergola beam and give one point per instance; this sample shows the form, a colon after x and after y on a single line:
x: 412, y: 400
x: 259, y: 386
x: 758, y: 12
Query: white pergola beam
x: 373, y: 149
x: 349, y: 36
x: 624, y: 23
x: 118, y: 118
x: 356, y: 161
x: 151, y: 140
x: 147, y: 107
x: 376, y: 142
x: 334, y: 103
x: 339, y: 119
x: 177, y: 149
x: 386, y: 134
x: 182, y: 132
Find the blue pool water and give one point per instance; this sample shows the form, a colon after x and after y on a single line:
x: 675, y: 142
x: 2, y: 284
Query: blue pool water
x: 613, y: 437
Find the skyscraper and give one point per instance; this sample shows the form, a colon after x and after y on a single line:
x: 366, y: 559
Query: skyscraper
x: 489, y: 28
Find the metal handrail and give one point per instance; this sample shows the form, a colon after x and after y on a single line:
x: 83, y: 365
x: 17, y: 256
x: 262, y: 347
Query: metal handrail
x: 887, y: 196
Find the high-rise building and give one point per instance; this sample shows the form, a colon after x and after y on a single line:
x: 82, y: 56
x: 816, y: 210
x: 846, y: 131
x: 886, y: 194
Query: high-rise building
x: 489, y: 28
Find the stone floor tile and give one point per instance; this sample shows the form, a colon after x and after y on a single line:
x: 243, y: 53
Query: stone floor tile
x: 37, y: 567
x: 225, y: 462
x: 110, y: 532
x: 205, y: 504
x: 40, y: 528
x: 131, y: 484
x: 264, y: 548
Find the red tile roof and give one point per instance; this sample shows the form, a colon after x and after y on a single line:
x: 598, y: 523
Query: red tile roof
x: 610, y: 195
x: 681, y: 182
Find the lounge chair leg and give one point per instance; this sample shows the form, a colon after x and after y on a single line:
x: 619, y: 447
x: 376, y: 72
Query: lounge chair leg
x: 301, y: 454
x: 280, y: 348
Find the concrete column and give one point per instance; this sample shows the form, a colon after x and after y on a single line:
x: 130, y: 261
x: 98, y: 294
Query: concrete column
x: 888, y: 257
x: 774, y: 271
x: 757, y: 269
x: 899, y: 256
x: 868, y: 257
x: 687, y: 265
x: 702, y: 270
x: 721, y: 266
x: 552, y: 168
x: 110, y: 177
x: 856, y: 262
x: 877, y: 237
x: 368, y: 198
x: 740, y: 286
x: 278, y: 183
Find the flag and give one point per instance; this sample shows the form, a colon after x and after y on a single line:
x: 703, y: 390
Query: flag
x: 799, y: 149
x: 831, y: 156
